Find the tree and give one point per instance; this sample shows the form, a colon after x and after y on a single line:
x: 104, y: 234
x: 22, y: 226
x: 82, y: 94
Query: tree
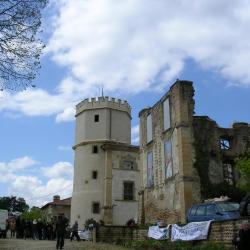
x: 33, y: 213
x: 13, y: 203
x: 20, y: 50
x: 243, y: 167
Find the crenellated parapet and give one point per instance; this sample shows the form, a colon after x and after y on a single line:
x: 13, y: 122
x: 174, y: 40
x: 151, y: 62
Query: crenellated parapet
x: 103, y: 102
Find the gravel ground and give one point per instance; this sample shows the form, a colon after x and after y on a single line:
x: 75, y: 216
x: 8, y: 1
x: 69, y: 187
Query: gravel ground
x: 19, y: 244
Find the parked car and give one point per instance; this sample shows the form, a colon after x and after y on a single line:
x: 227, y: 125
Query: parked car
x: 85, y: 234
x: 213, y: 211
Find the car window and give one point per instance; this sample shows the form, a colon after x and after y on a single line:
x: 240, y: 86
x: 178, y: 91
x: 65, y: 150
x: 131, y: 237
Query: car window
x: 200, y: 210
x: 193, y: 210
x: 211, y: 209
x: 227, y: 207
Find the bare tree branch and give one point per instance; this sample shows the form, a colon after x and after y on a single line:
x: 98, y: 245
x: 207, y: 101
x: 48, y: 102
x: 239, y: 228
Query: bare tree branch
x: 20, y: 50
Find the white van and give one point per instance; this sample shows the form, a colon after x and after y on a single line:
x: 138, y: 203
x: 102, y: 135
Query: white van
x: 3, y: 222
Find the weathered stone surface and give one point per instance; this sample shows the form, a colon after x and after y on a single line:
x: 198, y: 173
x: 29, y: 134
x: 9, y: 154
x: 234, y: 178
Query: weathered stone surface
x: 199, y: 163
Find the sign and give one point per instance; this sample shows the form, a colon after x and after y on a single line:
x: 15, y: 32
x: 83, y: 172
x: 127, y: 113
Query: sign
x: 158, y: 233
x: 191, y: 231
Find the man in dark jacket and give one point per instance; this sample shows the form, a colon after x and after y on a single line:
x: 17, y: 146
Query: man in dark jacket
x: 61, y: 225
x: 242, y: 239
x: 74, y: 232
x: 244, y: 206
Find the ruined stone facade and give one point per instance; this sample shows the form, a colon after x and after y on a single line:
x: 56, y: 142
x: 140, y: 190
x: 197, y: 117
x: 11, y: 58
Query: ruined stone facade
x: 180, y: 153
x: 106, y: 172
x: 216, y: 149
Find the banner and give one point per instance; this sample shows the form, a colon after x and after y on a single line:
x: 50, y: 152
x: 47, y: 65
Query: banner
x: 158, y: 233
x: 191, y: 231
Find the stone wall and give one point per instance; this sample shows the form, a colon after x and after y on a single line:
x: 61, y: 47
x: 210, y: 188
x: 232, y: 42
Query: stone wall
x: 220, y: 232
x: 214, y: 159
x: 116, y: 233
x: 170, y: 195
x: 202, y: 154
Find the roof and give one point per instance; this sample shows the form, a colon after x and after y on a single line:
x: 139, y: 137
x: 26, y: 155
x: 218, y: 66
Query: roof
x: 63, y: 202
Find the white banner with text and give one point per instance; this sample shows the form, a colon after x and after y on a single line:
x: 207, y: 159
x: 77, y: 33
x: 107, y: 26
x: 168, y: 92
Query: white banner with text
x: 191, y: 231
x: 158, y: 233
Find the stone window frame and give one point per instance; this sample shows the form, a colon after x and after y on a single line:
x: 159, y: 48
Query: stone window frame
x: 94, y: 174
x: 96, y: 118
x: 128, y: 158
x: 149, y: 139
x: 148, y: 185
x: 228, y: 173
x: 225, y: 143
x: 168, y: 140
x: 96, y: 208
x: 94, y: 149
x: 130, y: 196
x: 163, y: 113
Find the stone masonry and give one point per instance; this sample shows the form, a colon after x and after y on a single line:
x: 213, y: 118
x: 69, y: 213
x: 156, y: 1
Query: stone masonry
x: 184, y: 158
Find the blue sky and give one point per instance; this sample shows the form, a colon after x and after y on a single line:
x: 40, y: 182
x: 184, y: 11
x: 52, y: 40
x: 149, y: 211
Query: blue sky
x: 136, y: 49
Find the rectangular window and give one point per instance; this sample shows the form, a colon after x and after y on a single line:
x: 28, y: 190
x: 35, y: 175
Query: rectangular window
x: 150, y: 173
x: 96, y: 207
x: 166, y: 114
x: 228, y: 173
x: 224, y: 143
x: 211, y: 209
x: 94, y: 149
x: 128, y: 190
x: 94, y: 174
x: 168, y: 159
x: 201, y: 210
x: 96, y: 118
x: 149, y: 128
x: 129, y: 165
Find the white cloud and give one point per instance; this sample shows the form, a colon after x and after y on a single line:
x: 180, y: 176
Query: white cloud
x: 136, y: 45
x: 34, y: 188
x: 135, y: 134
x: 17, y: 164
x: 127, y: 44
x: 67, y: 115
x: 60, y: 169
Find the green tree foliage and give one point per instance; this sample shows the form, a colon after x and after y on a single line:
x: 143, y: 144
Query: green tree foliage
x: 243, y: 167
x: 20, y: 50
x: 33, y: 213
x: 13, y: 203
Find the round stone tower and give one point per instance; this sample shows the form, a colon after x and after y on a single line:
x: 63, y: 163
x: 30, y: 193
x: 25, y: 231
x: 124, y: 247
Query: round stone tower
x: 98, y: 121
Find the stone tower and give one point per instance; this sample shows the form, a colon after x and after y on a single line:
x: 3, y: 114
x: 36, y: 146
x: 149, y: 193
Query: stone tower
x: 99, y: 122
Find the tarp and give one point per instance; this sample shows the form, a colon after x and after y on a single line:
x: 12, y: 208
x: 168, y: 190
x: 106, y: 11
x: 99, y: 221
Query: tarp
x: 158, y: 233
x: 191, y: 231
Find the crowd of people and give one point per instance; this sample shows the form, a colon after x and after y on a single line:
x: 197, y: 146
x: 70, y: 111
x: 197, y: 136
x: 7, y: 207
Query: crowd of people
x: 35, y: 229
x: 41, y: 230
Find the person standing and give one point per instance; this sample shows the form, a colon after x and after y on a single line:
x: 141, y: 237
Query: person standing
x: 75, y: 232
x: 12, y: 228
x: 60, y: 231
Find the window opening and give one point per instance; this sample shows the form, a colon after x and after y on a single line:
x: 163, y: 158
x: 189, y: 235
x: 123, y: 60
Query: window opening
x: 96, y: 118
x: 201, y: 210
x: 168, y: 159
x: 211, y: 209
x: 128, y: 165
x: 149, y: 128
x: 95, y: 149
x: 224, y: 143
x: 96, y: 207
x: 228, y: 173
x: 128, y: 193
x: 150, y: 171
x: 166, y: 114
x: 94, y: 174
